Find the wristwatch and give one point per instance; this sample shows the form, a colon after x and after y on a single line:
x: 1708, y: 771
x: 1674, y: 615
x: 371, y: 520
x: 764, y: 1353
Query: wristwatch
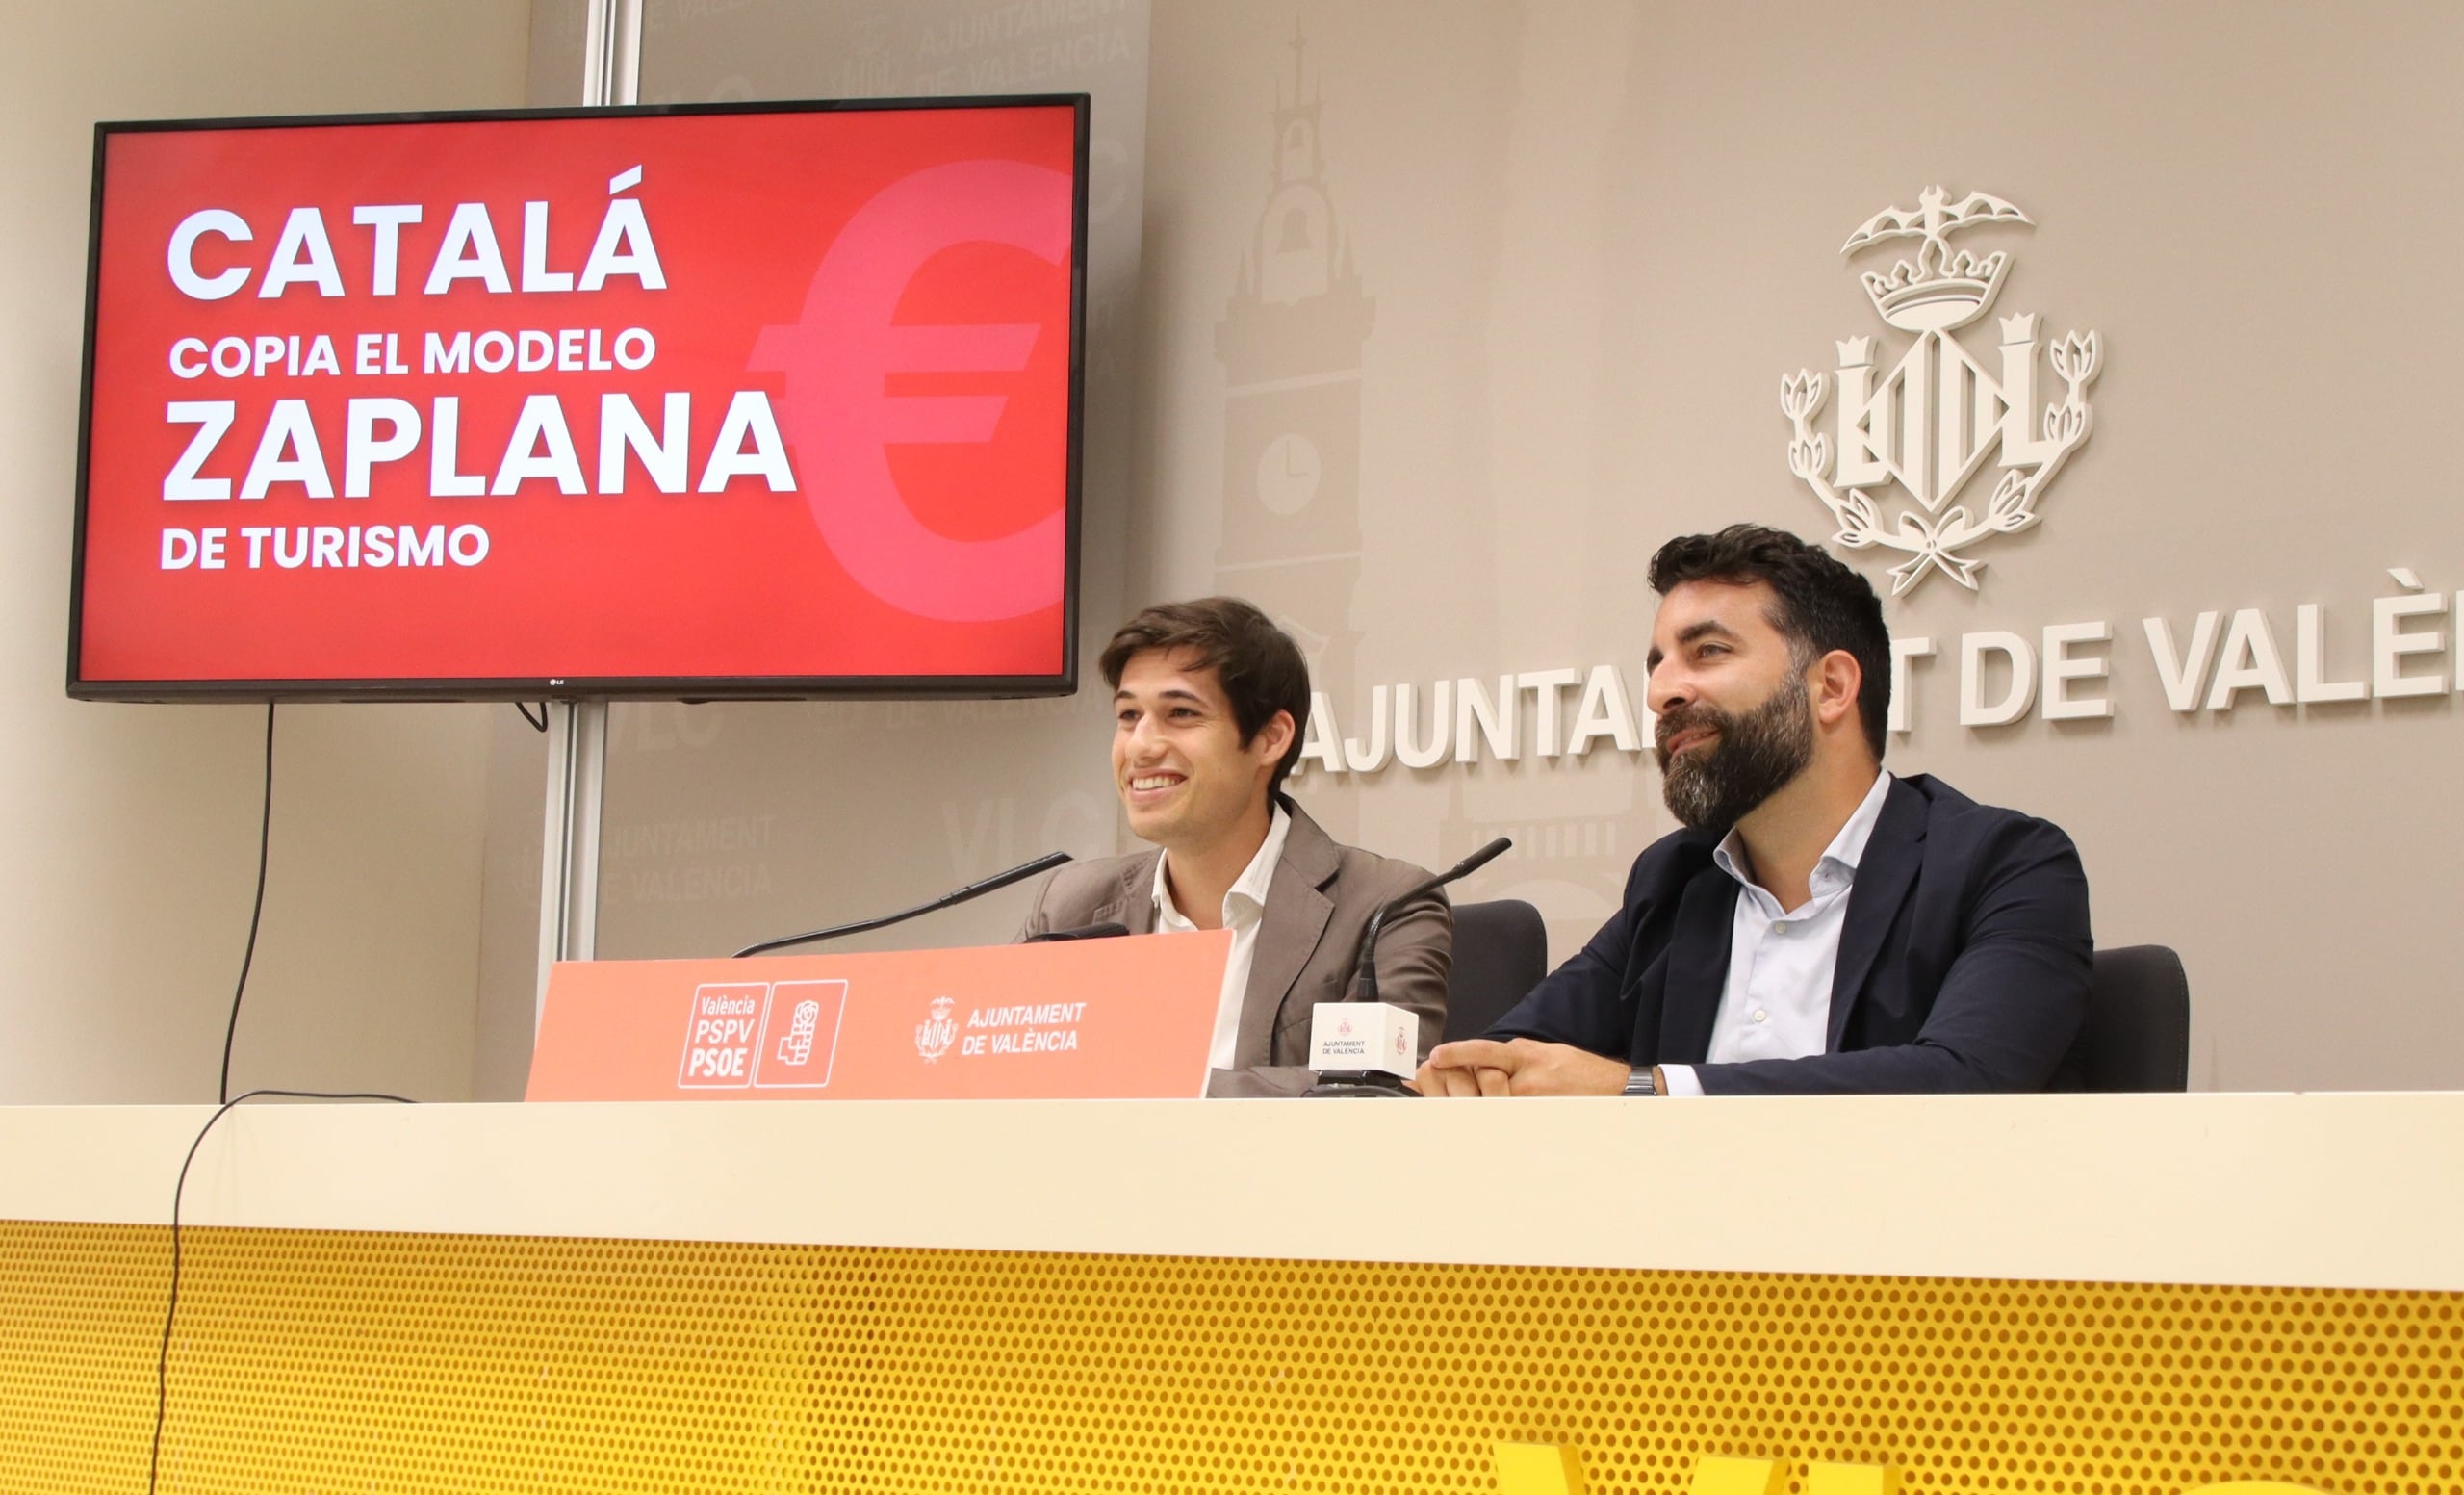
x: 1641, y: 1082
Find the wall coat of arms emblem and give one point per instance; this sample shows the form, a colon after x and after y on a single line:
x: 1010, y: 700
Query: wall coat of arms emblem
x: 1908, y: 437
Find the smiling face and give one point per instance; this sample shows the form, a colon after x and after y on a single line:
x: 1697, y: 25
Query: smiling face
x: 1736, y: 720
x: 1184, y: 776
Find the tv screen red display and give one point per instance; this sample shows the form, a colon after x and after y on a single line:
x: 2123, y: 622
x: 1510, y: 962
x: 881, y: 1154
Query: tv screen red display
x: 758, y: 401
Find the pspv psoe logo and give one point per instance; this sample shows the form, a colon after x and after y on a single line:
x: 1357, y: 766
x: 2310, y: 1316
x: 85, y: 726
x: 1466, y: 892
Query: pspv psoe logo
x: 796, y: 1046
x: 799, y: 1044
x: 934, y: 1035
x: 1928, y: 423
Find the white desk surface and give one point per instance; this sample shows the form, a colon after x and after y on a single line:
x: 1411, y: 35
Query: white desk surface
x: 2310, y: 1190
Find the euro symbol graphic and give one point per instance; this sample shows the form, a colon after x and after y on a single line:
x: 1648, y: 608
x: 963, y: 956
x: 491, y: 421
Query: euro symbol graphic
x: 837, y: 360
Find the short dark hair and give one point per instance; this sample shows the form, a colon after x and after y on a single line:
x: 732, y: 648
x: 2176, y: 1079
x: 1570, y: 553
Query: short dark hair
x: 1823, y: 606
x: 1260, y: 667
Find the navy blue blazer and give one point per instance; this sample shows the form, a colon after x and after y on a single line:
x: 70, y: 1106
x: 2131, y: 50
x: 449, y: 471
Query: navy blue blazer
x: 1964, y: 964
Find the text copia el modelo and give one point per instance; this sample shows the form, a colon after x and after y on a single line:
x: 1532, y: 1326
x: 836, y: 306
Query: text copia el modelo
x: 328, y: 447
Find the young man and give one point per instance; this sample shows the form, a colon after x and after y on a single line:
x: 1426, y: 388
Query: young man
x: 1209, y: 698
x: 1820, y: 926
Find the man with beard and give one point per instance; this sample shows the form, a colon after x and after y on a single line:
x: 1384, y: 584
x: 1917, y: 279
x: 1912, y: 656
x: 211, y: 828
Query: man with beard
x: 1820, y: 926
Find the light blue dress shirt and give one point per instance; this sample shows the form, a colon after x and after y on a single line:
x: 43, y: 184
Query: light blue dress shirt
x: 1776, y: 1003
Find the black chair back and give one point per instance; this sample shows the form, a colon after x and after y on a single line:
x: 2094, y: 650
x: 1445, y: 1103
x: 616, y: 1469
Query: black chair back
x: 2138, y: 1032
x: 1501, y: 953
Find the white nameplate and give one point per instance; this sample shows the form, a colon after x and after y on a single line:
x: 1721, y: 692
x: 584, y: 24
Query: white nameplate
x: 1363, y: 1036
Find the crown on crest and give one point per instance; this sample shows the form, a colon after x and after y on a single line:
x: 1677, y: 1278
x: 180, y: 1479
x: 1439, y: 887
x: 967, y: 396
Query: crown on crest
x: 1940, y: 290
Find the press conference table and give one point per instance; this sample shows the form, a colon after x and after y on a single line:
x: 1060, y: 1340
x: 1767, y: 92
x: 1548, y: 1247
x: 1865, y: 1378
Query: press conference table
x: 2059, y: 1293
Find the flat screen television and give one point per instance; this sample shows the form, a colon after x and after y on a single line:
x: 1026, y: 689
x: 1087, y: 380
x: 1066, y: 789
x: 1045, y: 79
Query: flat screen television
x: 739, y: 400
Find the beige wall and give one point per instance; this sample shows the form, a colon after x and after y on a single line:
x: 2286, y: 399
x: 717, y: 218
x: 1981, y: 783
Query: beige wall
x: 1574, y: 247
x: 131, y: 830
x: 1598, y: 235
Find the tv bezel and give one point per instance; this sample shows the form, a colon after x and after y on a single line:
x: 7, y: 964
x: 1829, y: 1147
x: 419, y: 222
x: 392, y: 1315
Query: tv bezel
x: 634, y: 687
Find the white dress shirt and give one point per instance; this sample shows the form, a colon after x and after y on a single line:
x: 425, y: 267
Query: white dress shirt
x: 1245, y: 904
x: 1776, y: 1003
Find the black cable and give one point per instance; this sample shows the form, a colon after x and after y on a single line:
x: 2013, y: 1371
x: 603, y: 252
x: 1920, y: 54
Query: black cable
x: 170, y: 1314
x: 538, y: 723
x: 248, y: 957
x: 226, y: 1102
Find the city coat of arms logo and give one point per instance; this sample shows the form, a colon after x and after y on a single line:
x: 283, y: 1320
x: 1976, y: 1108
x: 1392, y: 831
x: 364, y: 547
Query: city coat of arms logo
x: 1905, y: 439
x: 935, y: 1034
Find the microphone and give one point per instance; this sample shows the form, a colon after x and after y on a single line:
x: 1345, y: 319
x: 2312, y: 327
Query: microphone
x: 1390, y: 1029
x: 993, y: 884
x: 1364, y: 970
x: 1085, y: 932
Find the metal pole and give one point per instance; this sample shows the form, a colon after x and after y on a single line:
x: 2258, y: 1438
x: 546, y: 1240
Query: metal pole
x: 569, y: 864
x: 611, y: 54
x: 611, y: 73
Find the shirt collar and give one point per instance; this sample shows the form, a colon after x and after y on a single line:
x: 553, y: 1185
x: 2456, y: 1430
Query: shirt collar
x: 1848, y: 847
x: 1836, y: 868
x: 1248, y: 889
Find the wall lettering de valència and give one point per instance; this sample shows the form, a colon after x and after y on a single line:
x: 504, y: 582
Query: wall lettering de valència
x: 2216, y: 662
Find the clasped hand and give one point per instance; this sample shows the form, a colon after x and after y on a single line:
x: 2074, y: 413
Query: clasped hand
x: 1518, y: 1066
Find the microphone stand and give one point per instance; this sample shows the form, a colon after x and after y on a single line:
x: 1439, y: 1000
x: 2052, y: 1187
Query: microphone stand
x: 1107, y: 931
x: 993, y: 884
x: 1357, y: 1084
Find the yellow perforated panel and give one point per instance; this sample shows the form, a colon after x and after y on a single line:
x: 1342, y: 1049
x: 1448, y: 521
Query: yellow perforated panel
x: 310, y: 1362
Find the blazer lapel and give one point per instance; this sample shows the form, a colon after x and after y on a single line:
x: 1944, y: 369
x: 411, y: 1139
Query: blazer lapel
x: 1698, y: 966
x: 1296, y: 917
x: 1884, y: 876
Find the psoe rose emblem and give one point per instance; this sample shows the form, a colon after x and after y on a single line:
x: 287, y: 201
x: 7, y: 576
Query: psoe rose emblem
x: 1926, y: 424
x: 934, y: 1035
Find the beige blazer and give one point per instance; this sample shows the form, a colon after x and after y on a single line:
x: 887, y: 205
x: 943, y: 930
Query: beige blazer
x: 1317, y: 907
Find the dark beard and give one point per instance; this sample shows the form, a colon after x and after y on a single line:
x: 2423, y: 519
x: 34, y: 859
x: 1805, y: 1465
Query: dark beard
x: 1713, y: 786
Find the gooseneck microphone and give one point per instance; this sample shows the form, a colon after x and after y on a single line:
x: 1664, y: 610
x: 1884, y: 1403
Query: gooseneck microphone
x: 1364, y: 970
x: 993, y: 884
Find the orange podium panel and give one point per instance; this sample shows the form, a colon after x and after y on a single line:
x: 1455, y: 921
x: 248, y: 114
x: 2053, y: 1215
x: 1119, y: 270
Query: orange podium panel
x: 1123, y: 1018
